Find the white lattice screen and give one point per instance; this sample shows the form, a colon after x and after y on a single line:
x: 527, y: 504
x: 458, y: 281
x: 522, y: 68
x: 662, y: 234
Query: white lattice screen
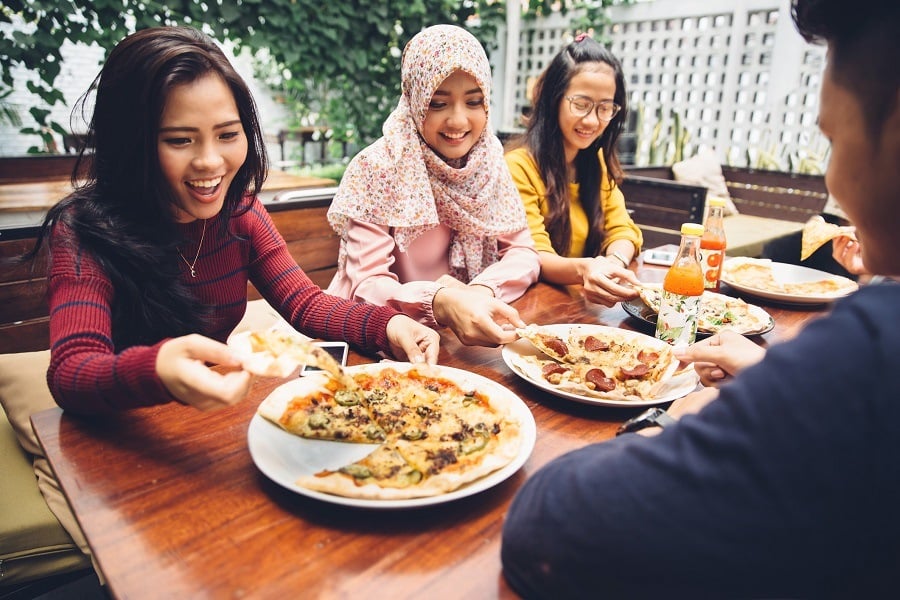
x: 737, y: 73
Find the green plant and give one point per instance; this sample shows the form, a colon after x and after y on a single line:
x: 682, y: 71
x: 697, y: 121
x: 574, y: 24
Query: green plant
x: 8, y: 112
x: 332, y: 171
x: 669, y: 141
x: 338, y: 61
x: 592, y: 17
x: 345, y: 48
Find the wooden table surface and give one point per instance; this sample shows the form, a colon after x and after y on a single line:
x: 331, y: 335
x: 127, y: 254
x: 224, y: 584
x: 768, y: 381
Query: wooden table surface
x: 41, y: 195
x: 174, y: 507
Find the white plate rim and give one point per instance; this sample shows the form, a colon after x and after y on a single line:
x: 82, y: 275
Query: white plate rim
x: 564, y: 329
x: 262, y: 435
x: 784, y: 272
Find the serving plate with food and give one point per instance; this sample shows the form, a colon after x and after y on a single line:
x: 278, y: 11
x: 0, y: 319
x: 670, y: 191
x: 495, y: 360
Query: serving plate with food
x: 594, y: 364
x: 402, y: 436
x: 783, y: 282
x: 718, y: 312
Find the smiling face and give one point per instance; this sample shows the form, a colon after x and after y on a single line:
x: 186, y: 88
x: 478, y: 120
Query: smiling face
x: 201, y: 145
x: 595, y: 81
x: 456, y: 116
x: 862, y: 172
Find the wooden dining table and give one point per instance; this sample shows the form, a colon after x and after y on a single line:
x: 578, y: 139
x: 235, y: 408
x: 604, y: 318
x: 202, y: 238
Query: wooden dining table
x: 173, y: 505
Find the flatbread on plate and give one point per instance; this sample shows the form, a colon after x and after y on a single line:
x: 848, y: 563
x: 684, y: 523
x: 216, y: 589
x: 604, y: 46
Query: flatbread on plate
x: 760, y: 274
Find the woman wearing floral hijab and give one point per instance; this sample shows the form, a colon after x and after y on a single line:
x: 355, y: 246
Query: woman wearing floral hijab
x: 429, y: 218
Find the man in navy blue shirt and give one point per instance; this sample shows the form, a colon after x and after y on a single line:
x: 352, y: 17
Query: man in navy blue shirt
x: 783, y: 481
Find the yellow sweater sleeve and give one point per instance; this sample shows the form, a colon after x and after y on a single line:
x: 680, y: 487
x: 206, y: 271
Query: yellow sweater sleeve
x: 531, y: 188
x: 617, y: 223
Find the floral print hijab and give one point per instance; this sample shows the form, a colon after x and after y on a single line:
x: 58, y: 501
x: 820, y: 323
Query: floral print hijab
x: 401, y: 183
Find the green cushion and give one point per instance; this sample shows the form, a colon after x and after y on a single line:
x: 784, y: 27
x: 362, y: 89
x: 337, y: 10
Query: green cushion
x: 33, y: 544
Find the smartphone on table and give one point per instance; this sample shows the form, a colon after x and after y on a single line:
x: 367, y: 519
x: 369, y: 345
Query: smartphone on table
x: 337, y: 350
x: 660, y: 257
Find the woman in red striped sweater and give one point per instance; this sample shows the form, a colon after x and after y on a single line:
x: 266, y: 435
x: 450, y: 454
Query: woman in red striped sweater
x: 150, y: 257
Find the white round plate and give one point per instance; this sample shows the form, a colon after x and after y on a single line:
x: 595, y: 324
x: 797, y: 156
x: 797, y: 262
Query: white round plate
x: 678, y: 386
x: 284, y: 457
x: 788, y: 273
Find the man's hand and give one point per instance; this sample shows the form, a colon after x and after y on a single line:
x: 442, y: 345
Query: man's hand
x: 720, y: 356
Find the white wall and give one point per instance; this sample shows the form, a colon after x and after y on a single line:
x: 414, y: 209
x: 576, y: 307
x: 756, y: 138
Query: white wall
x: 738, y: 73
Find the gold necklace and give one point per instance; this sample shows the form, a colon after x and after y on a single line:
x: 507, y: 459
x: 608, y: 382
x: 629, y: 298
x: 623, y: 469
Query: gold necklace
x: 196, y: 256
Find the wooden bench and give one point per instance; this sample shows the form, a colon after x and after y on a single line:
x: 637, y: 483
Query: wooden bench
x: 772, y: 205
x: 39, y: 167
x: 299, y: 216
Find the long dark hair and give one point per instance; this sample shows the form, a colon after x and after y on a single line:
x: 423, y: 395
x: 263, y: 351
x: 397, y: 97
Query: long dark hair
x: 123, y: 212
x: 544, y: 140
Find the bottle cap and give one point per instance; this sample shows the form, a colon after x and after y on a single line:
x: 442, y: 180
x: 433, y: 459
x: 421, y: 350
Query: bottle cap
x: 692, y: 229
x: 716, y: 201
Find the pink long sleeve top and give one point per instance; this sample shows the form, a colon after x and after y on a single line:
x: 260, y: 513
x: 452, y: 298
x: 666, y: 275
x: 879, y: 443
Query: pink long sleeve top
x: 377, y: 271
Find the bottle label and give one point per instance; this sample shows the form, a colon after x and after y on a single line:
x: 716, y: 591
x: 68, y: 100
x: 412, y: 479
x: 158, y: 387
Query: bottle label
x: 676, y: 323
x: 712, y: 268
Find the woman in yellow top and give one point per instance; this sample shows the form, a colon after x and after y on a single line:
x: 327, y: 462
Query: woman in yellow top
x: 567, y: 173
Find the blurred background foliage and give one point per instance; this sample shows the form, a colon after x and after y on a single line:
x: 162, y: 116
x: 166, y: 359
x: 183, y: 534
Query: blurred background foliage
x: 333, y: 63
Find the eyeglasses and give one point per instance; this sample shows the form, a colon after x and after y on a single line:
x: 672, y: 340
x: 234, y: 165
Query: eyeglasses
x: 581, y: 107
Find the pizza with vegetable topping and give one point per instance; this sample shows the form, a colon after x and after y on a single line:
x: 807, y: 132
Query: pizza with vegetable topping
x: 434, y: 433
x: 599, y: 362
x: 717, y: 312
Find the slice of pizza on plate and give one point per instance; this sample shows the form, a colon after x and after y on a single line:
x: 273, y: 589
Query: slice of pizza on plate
x: 383, y: 474
x: 317, y: 407
x: 784, y: 279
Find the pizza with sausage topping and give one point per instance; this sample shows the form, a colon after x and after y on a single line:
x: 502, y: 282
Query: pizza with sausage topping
x: 602, y: 362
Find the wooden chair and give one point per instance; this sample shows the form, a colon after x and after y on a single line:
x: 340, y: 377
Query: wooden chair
x: 659, y: 207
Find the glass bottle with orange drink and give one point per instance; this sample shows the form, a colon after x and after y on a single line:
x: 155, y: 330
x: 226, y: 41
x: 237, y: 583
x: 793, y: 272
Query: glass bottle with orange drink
x: 712, y: 244
x: 676, y: 322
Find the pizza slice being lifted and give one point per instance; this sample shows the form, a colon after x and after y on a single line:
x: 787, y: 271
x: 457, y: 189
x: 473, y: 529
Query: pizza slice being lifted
x: 817, y: 232
x: 547, y: 342
x: 277, y: 353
